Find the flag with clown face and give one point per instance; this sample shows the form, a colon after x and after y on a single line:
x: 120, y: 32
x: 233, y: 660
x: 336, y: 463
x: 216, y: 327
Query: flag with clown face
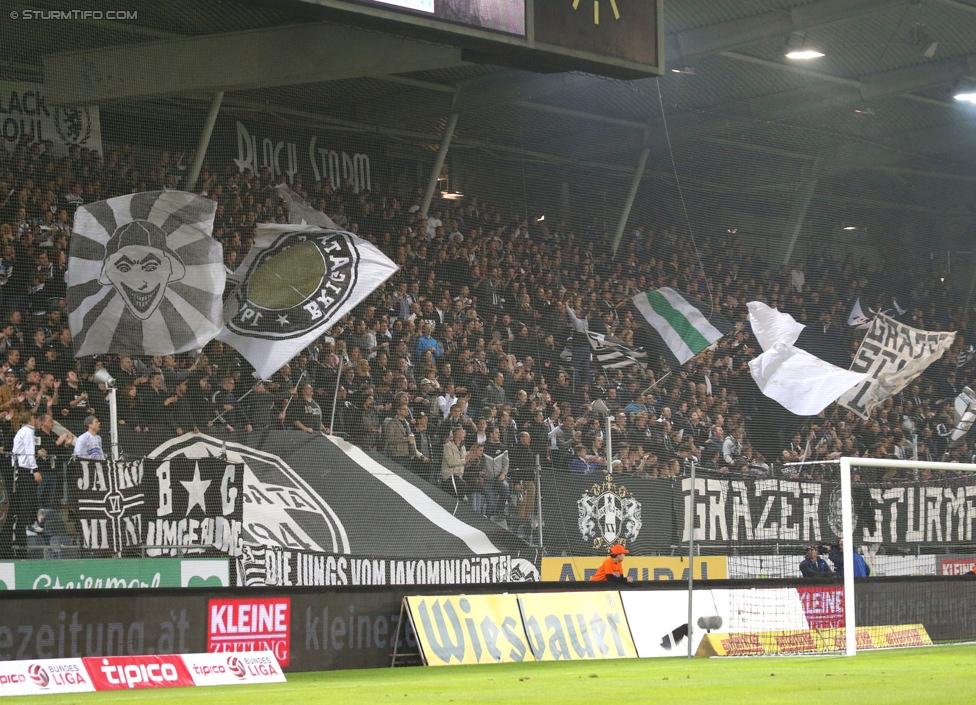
x: 145, y: 276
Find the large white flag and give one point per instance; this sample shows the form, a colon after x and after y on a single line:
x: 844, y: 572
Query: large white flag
x: 801, y: 382
x: 797, y: 379
x: 771, y: 326
x: 294, y: 284
x: 300, y: 213
x: 892, y: 354
x: 145, y: 276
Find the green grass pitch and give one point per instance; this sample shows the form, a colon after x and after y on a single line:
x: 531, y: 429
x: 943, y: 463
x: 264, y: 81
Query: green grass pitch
x: 930, y: 675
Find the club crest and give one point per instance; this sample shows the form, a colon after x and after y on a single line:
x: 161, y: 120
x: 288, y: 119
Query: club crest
x: 608, y: 514
x: 294, y: 285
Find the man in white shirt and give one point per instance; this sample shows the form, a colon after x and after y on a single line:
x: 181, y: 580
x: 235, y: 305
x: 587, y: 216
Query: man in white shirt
x: 23, y: 495
x: 89, y: 444
x: 447, y: 400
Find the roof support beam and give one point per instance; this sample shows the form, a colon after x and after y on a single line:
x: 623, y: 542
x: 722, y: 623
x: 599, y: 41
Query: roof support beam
x: 261, y: 58
x: 912, y: 78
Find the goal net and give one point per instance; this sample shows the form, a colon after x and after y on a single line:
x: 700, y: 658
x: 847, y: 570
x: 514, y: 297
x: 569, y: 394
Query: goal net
x: 907, y: 581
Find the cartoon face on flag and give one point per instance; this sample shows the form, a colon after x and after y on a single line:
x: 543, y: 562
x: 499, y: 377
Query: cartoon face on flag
x: 294, y: 284
x: 145, y: 277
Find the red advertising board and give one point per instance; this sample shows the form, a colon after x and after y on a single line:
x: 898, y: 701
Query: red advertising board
x: 124, y: 672
x: 250, y: 624
x: 956, y: 566
x: 823, y: 606
x: 233, y: 669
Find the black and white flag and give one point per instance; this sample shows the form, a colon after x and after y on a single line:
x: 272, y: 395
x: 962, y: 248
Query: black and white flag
x: 965, y: 357
x: 965, y: 413
x: 609, y: 352
x: 892, y: 355
x: 145, y: 276
x: 294, y: 284
x: 612, y: 353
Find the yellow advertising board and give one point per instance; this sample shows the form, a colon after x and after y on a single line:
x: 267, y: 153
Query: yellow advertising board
x: 576, y: 626
x: 802, y: 641
x: 568, y: 569
x: 469, y: 629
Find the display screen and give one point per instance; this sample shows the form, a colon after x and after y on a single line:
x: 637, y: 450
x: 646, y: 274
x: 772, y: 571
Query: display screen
x: 498, y: 15
x: 623, y: 29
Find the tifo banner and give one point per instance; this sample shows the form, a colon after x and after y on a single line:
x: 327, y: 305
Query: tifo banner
x: 250, y: 624
x: 608, y: 509
x: 317, y: 158
x: 469, y: 629
x: 145, y: 275
x: 44, y: 677
x: 576, y: 626
x: 113, y: 573
x: 810, y: 641
x: 26, y: 116
x: 755, y: 511
x: 892, y: 354
x: 260, y: 566
x: 637, y: 567
x: 367, y: 521
x: 294, y: 284
x: 169, y: 503
x: 748, y: 513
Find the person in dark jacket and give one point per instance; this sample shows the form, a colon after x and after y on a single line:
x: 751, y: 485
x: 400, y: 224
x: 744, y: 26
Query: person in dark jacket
x: 813, y: 566
x: 836, y: 556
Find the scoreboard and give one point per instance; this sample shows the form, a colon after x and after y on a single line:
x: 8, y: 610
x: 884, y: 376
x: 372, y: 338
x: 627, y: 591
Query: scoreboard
x: 617, y: 38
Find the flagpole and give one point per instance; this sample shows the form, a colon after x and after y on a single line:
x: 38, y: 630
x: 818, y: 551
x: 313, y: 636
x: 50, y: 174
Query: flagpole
x: 288, y: 403
x: 335, y: 398
x: 239, y: 399
x: 658, y: 381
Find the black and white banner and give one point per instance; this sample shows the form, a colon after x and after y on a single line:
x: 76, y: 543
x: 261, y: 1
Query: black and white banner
x: 319, y: 511
x: 25, y: 116
x: 892, y: 354
x: 317, y: 158
x: 167, y: 504
x: 584, y: 515
x: 765, y: 512
x: 296, y: 281
x: 261, y: 566
x: 145, y: 277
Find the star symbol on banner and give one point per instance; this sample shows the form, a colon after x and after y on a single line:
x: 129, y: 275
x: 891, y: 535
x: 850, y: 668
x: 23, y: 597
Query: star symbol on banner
x: 197, y: 489
x: 283, y: 320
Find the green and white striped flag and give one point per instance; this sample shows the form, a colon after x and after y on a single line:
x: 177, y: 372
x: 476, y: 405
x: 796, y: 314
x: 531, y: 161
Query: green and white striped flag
x: 682, y: 323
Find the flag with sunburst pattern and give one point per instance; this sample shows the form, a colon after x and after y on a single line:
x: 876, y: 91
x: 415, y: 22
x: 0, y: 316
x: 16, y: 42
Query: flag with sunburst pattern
x: 145, y: 275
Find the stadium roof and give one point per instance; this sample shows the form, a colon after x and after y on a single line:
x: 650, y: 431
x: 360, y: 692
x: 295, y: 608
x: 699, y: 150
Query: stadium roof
x: 872, y: 125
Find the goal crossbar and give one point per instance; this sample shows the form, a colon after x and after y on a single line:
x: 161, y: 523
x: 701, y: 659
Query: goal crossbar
x: 847, y: 532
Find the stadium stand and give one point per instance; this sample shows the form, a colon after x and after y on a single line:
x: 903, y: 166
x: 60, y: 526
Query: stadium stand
x: 471, y: 333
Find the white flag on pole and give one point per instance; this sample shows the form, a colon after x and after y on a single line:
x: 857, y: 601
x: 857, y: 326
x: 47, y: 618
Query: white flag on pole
x: 857, y: 317
x: 294, y: 284
x: 801, y: 382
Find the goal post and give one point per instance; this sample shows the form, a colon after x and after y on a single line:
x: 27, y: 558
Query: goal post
x: 847, y: 511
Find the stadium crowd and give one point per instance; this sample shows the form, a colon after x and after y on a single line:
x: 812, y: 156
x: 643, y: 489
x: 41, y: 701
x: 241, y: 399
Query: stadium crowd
x: 464, y: 366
